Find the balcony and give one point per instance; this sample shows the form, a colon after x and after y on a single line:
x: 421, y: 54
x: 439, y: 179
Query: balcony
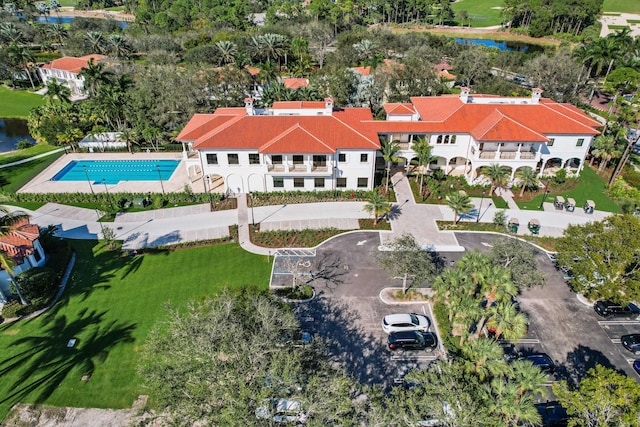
x: 488, y: 154
x: 508, y: 155
x: 528, y: 155
x: 404, y: 146
x: 297, y: 167
x: 276, y: 168
x: 319, y: 168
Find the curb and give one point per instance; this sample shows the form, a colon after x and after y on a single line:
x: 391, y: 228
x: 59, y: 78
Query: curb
x: 393, y: 302
x: 584, y: 300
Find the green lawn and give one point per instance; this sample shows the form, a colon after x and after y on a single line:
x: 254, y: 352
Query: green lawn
x: 624, y: 6
x: 110, y: 305
x: 482, y: 13
x: 18, y: 103
x: 15, y: 177
x: 14, y: 156
x: 590, y: 187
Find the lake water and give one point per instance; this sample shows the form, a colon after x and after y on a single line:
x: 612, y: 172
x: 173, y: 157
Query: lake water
x: 13, y: 131
x: 502, y: 44
x: 51, y: 19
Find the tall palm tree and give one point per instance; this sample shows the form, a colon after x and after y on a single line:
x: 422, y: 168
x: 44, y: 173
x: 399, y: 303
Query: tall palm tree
x: 459, y: 202
x: 10, y: 34
x: 299, y: 47
x: 507, y: 406
x: 94, y: 76
x: 484, y: 358
x: 57, y: 32
x: 389, y: 151
x: 118, y: 45
x: 507, y: 322
x: 528, y: 377
x: 528, y: 178
x: 8, y: 222
x: 58, y: 91
x: 71, y: 136
x: 423, y: 150
x: 498, y: 175
x: 95, y: 42
x: 377, y: 205
x: 605, y: 149
x: 227, y: 50
x: 21, y: 58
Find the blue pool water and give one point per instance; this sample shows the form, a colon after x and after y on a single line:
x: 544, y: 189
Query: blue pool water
x: 52, y: 19
x: 114, y: 171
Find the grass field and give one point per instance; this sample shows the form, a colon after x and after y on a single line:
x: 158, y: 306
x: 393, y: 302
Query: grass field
x: 14, y: 156
x: 18, y: 103
x: 17, y: 176
x: 109, y: 306
x: 482, y: 13
x: 591, y: 187
x: 624, y: 6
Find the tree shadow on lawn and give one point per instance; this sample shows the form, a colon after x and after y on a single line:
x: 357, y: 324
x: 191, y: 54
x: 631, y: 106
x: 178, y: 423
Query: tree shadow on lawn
x: 48, y: 360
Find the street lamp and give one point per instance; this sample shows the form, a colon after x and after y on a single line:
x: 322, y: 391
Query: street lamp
x: 106, y: 189
x: 88, y: 180
x: 209, y: 179
x: 253, y: 221
x: 160, y: 176
x: 546, y: 192
x: 100, y: 222
x: 480, y: 209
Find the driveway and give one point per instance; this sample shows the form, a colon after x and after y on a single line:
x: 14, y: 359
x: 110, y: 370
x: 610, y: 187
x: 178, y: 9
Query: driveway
x: 560, y: 325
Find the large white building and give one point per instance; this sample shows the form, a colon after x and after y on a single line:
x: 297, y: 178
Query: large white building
x: 66, y: 71
x: 314, y: 146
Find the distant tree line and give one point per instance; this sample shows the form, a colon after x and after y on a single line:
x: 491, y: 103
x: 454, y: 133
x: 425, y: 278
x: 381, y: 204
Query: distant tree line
x: 545, y: 17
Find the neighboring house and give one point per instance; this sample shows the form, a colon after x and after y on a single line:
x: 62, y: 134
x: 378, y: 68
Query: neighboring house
x: 66, y: 71
x: 103, y: 141
x: 468, y: 132
x: 295, y: 145
x: 23, y: 246
x: 293, y: 83
x: 312, y: 146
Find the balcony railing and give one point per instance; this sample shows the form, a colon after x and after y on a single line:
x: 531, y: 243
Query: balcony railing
x: 488, y: 154
x: 528, y: 155
x: 297, y: 168
x: 275, y: 168
x: 319, y: 168
x: 508, y: 155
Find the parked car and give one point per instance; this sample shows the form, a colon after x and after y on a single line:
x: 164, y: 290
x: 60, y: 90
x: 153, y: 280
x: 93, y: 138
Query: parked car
x: 405, y: 322
x: 606, y: 308
x: 631, y: 342
x: 412, y: 340
x: 636, y: 366
x: 282, y: 411
x: 553, y: 414
x: 542, y: 361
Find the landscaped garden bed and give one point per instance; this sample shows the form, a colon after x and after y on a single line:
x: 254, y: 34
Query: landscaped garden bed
x: 291, y: 238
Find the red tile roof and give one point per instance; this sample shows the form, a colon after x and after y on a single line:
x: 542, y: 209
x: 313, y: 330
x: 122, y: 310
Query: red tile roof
x: 18, y: 243
x: 295, y: 83
x: 444, y: 74
x: 201, y: 124
x: 498, y: 127
x: 284, y: 134
x: 364, y: 71
x: 295, y: 105
x: 402, y: 109
x: 72, y: 64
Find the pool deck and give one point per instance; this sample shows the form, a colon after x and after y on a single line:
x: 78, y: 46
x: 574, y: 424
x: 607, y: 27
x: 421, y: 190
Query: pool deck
x: 43, y: 184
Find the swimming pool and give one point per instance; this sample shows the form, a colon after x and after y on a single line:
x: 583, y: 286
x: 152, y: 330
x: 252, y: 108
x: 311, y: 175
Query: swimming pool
x: 114, y: 171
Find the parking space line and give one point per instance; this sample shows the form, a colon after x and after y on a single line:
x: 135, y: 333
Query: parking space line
x: 619, y: 322
x: 523, y: 341
x: 414, y: 357
x: 616, y: 340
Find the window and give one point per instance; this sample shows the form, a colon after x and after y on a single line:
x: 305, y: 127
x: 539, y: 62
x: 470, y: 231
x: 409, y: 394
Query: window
x: 342, y: 158
x: 320, y: 161
x: 439, y: 140
x: 551, y: 141
x: 318, y: 182
x: 453, y: 139
x: 298, y: 182
x: 580, y: 142
x: 298, y: 159
x: 36, y: 255
x: 233, y: 159
x: 363, y: 182
x: 278, y: 182
x: 277, y: 159
x: 254, y: 159
x: 341, y: 183
x: 212, y: 159
x: 364, y: 158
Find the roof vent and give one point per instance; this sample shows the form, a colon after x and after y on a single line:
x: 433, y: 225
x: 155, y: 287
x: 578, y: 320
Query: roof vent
x: 248, y: 105
x: 464, y: 94
x: 535, y: 95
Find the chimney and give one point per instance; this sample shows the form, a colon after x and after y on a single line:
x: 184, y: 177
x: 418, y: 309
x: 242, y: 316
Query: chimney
x: 535, y: 95
x: 248, y: 104
x: 328, y: 105
x: 464, y: 94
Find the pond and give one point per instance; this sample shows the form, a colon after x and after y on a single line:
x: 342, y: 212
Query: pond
x: 69, y: 19
x: 13, y: 131
x: 503, y: 44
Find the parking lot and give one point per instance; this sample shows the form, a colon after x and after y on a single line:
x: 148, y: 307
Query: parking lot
x: 348, y: 311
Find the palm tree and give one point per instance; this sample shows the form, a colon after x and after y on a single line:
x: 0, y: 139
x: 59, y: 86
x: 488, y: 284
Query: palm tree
x: 507, y: 406
x: 377, y: 205
x: 423, y: 149
x: 299, y: 47
x: 57, y: 32
x: 365, y: 49
x: 10, y: 34
x: 605, y: 149
x: 507, y: 322
x: 131, y: 136
x: 21, y: 57
x: 118, y: 45
x: 227, y: 50
x: 528, y: 177
x: 528, y: 377
x: 58, y: 91
x: 484, y: 358
x: 459, y: 202
x: 94, y: 76
x: 71, y: 135
x: 389, y: 153
x: 498, y: 175
x: 95, y: 41
x: 8, y: 222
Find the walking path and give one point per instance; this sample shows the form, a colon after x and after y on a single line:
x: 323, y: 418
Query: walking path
x: 28, y: 159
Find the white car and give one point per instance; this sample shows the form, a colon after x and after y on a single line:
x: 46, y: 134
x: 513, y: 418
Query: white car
x: 282, y: 411
x: 405, y: 322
